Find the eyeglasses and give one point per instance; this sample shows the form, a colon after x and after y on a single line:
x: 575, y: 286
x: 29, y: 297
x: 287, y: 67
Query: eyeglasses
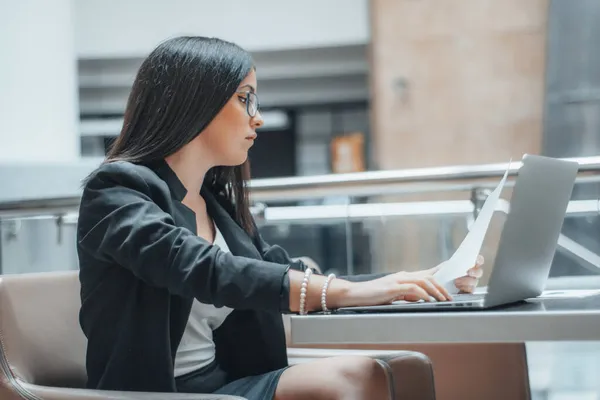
x: 252, y: 104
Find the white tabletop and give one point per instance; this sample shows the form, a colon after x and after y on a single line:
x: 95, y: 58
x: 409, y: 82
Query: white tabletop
x: 547, y: 320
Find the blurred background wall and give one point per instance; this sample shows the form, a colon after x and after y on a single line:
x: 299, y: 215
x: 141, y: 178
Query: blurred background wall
x: 424, y: 82
x: 457, y: 82
x: 345, y: 85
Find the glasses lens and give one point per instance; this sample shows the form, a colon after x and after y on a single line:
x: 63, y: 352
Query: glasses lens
x: 252, y: 104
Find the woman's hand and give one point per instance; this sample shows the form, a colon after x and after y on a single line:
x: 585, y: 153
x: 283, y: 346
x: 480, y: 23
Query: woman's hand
x: 465, y: 284
x: 409, y: 286
x: 397, y: 286
x: 468, y: 283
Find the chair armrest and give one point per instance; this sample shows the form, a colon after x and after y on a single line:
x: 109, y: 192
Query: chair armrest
x: 297, y: 355
x: 410, y: 374
x: 54, y: 393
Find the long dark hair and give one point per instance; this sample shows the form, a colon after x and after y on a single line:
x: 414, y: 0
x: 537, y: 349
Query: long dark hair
x: 180, y: 87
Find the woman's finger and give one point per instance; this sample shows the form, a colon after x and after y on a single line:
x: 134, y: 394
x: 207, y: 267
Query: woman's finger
x: 475, y: 272
x: 440, y: 287
x: 412, y: 292
x: 410, y: 298
x: 466, y: 284
x: 466, y: 281
x: 480, y: 261
x: 431, y: 288
x: 466, y: 289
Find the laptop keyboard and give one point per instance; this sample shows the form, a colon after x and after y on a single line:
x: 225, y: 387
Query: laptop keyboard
x: 467, y: 297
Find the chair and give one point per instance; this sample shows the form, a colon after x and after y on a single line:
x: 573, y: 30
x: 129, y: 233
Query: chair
x: 42, y: 348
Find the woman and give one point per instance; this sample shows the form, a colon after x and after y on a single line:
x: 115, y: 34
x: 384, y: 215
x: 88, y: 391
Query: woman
x: 179, y: 292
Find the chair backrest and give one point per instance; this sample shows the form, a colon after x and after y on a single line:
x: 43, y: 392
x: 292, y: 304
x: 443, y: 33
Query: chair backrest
x: 39, y: 328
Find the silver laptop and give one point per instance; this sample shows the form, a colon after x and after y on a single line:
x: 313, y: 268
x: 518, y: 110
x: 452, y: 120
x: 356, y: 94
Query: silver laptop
x: 527, y: 243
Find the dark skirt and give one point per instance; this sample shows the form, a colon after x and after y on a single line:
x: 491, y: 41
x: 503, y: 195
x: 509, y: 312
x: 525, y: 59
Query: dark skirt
x: 212, y: 379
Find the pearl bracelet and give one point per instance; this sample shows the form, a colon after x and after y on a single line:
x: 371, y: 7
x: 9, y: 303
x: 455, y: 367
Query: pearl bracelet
x: 330, y: 277
x: 303, y: 289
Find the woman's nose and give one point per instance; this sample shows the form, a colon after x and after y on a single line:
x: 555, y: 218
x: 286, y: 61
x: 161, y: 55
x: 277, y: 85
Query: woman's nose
x: 257, y: 121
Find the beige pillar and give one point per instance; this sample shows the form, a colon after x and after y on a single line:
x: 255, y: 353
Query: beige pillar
x: 456, y: 81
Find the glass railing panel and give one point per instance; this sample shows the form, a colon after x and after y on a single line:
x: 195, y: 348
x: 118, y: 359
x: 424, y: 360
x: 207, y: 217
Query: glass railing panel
x: 412, y: 231
x: 578, y: 252
x: 419, y: 231
x: 37, y: 244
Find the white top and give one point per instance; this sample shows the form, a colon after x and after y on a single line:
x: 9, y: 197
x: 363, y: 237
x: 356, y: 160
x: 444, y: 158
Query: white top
x: 197, y: 348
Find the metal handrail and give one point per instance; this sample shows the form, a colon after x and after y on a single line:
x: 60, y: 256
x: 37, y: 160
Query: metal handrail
x: 457, y: 172
x: 417, y: 180
x: 338, y: 212
x: 393, y: 181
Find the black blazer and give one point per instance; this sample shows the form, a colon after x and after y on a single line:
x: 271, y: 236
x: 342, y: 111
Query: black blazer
x: 141, y: 266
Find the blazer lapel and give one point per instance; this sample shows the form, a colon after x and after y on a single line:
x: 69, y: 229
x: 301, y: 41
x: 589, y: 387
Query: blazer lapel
x: 238, y: 241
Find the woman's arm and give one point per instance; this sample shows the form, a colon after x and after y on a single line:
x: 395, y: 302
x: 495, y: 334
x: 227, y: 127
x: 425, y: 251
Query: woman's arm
x: 119, y: 222
x: 277, y: 254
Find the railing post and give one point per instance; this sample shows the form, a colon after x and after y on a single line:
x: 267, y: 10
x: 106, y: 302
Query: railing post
x: 478, y: 198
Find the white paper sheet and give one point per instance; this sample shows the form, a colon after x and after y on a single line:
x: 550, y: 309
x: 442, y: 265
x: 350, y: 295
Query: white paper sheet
x: 465, y: 256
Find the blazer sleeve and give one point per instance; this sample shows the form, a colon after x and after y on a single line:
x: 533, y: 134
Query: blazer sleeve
x: 276, y: 253
x: 120, y: 223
